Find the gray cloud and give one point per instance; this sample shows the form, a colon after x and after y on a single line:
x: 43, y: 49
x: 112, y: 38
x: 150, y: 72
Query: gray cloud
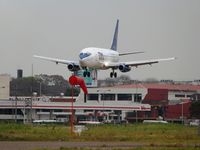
x: 62, y: 28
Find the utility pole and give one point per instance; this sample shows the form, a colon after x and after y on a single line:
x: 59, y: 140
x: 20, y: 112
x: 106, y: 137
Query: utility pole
x: 15, y: 103
x: 182, y: 112
x: 136, y: 99
x: 72, y: 111
x: 31, y: 96
x: 24, y: 120
x: 102, y: 98
x: 16, y: 109
x: 40, y: 89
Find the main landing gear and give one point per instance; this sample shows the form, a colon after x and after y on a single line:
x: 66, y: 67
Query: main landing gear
x: 86, y: 73
x: 113, y: 74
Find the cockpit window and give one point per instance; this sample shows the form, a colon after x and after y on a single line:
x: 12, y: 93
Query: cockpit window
x: 84, y: 55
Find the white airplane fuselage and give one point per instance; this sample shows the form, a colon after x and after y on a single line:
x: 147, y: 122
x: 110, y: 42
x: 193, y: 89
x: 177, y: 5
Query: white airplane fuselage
x: 97, y: 57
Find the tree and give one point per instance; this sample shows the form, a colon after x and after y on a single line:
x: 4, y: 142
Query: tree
x: 69, y: 92
x: 22, y: 86
x: 151, y: 80
x: 124, y: 79
x: 50, y: 85
x: 195, y: 109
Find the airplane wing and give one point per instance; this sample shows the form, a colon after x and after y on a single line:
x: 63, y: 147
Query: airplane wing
x: 139, y: 63
x: 147, y: 62
x: 129, y: 53
x: 57, y: 61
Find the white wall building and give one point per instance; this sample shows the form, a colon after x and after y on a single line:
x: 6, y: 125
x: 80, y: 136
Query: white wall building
x: 4, y: 86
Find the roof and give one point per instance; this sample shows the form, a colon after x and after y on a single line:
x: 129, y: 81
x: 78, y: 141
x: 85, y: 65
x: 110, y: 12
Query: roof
x: 167, y: 86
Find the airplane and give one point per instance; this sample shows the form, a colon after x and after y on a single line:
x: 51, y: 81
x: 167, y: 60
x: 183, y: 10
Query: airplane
x: 100, y: 58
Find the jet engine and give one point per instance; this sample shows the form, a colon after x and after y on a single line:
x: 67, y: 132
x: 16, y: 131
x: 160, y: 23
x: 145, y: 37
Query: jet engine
x: 124, y: 68
x: 73, y: 67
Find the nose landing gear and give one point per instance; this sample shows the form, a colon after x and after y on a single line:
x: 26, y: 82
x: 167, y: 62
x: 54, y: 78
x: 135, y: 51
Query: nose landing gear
x: 86, y: 73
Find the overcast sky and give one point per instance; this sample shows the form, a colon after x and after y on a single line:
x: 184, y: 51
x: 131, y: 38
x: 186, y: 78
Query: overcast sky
x: 61, y: 28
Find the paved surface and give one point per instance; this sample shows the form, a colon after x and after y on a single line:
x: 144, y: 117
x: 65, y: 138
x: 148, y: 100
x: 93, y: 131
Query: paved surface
x: 7, y: 145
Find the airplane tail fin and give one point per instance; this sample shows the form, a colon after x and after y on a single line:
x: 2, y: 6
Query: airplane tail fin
x: 114, y: 43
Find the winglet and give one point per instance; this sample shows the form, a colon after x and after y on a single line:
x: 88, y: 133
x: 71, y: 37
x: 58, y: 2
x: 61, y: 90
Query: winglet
x: 114, y: 43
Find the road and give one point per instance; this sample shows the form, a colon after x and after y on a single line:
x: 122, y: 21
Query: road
x: 22, y: 145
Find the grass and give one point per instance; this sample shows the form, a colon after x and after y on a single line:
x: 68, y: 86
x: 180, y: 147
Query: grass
x: 149, y: 134
x: 144, y: 133
x: 20, y: 132
x: 142, y: 148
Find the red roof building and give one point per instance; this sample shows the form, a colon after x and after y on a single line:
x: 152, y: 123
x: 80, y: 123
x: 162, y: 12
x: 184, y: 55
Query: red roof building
x: 170, y: 101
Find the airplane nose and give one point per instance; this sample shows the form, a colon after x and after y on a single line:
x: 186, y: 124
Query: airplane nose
x: 81, y: 56
x: 83, y: 63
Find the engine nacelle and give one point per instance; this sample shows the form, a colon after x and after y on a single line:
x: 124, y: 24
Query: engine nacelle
x: 73, y: 67
x: 124, y: 68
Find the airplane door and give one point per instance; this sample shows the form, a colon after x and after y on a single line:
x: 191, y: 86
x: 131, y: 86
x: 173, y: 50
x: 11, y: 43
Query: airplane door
x: 100, y: 56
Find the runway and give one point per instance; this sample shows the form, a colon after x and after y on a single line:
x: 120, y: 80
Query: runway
x: 22, y: 145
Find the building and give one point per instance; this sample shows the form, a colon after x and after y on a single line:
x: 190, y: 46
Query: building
x: 104, y: 104
x: 4, y: 86
x: 105, y: 108
x: 134, y: 102
x: 168, y: 101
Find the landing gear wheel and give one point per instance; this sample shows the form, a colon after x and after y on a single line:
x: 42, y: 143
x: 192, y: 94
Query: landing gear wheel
x: 115, y: 74
x: 111, y: 74
x: 84, y: 74
x: 88, y: 74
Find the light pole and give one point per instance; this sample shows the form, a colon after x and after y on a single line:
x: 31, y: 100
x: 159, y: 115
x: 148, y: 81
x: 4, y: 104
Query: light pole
x: 182, y: 108
x: 40, y: 88
x: 182, y: 111
x: 103, y: 92
x: 16, y: 103
x: 32, y: 99
x: 24, y: 110
x: 72, y: 110
x: 26, y: 104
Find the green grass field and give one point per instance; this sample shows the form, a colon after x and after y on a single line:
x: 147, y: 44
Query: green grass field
x: 145, y: 133
x: 145, y: 148
x: 149, y: 134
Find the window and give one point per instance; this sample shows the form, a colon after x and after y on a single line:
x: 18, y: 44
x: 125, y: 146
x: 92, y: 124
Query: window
x: 7, y: 111
x: 179, y: 95
x: 44, y: 110
x: 108, y: 97
x: 124, y: 97
x: 189, y: 96
x: 84, y: 55
x: 58, y: 110
x: 93, y: 97
x: 10, y: 111
x: 137, y: 97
